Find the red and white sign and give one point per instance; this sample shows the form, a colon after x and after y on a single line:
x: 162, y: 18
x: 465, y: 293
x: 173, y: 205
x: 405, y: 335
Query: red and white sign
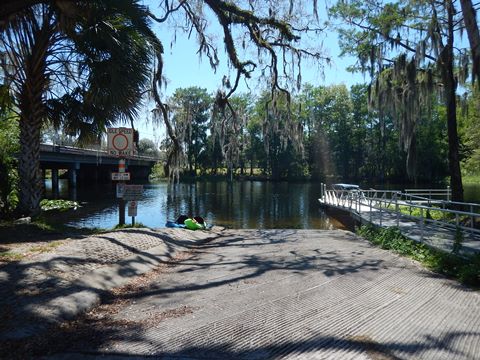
x: 120, y: 141
x: 121, y: 165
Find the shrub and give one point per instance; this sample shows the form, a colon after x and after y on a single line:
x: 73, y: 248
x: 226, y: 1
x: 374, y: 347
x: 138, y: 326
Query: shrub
x: 61, y: 205
x: 465, y: 269
x: 9, y: 145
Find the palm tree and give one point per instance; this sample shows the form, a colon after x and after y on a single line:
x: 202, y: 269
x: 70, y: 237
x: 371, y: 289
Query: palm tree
x: 77, y: 64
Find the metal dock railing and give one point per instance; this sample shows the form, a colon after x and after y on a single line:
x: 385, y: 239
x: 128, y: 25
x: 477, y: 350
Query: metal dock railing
x: 412, y: 208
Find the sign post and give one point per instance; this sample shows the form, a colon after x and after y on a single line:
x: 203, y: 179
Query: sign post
x: 120, y: 143
x: 132, y: 210
x: 121, y: 201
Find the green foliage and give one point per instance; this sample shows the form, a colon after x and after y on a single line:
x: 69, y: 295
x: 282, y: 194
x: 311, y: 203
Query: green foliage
x: 282, y: 140
x: 147, y: 147
x: 60, y: 205
x: 158, y: 172
x: 431, y: 214
x: 470, y: 273
x: 9, y: 146
x: 190, y: 108
x: 465, y: 269
x: 471, y: 179
x: 469, y: 130
x: 329, y: 117
x: 410, y: 50
x: 431, y: 146
x: 342, y: 139
x: 428, y: 214
x: 92, y: 67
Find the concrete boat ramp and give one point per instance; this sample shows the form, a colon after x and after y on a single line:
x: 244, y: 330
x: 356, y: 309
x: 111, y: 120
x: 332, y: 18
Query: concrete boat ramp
x: 255, y: 294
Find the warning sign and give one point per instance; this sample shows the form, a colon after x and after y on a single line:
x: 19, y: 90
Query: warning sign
x: 121, y: 176
x: 132, y: 208
x: 133, y: 192
x: 120, y: 190
x: 120, y: 142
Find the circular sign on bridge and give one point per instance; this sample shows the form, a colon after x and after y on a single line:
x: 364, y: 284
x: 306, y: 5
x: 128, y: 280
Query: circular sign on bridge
x: 120, y: 142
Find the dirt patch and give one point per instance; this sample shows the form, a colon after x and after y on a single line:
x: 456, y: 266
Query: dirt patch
x: 375, y: 350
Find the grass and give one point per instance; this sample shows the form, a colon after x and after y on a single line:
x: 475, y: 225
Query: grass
x: 10, y: 256
x: 471, y: 179
x: 431, y: 214
x: 128, y: 226
x: 464, y: 269
x: 46, y: 248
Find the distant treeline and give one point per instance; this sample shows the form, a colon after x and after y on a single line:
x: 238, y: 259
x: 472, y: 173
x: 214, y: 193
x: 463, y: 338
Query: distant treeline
x: 323, y: 133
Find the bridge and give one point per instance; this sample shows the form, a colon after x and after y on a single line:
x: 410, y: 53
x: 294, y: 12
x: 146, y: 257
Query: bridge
x: 421, y: 215
x: 85, y: 166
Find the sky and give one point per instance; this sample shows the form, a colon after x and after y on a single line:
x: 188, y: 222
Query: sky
x: 183, y: 68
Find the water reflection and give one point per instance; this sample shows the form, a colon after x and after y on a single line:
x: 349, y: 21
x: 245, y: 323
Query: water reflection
x: 246, y: 204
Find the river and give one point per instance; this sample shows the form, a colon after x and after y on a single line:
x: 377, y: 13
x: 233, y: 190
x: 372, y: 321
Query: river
x: 241, y: 204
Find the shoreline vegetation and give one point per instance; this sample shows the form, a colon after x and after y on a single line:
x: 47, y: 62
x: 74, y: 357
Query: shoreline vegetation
x: 158, y: 175
x: 471, y: 179
x: 465, y: 269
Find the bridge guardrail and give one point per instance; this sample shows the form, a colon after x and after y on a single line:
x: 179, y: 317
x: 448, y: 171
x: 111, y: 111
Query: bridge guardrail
x: 85, y: 151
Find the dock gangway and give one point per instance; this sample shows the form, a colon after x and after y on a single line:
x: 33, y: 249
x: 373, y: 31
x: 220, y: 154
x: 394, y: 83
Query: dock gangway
x: 425, y: 215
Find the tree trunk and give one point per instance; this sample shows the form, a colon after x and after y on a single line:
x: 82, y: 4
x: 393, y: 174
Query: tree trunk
x: 448, y: 78
x: 29, y: 167
x: 190, y: 166
x: 470, y: 20
x: 32, y: 116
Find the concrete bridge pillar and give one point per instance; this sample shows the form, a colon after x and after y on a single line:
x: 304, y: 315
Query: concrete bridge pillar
x: 72, y: 180
x: 55, y: 189
x: 43, y: 181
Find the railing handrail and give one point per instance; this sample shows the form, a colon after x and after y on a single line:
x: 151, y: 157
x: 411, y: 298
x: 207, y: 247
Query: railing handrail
x: 367, y: 200
x: 430, y: 190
